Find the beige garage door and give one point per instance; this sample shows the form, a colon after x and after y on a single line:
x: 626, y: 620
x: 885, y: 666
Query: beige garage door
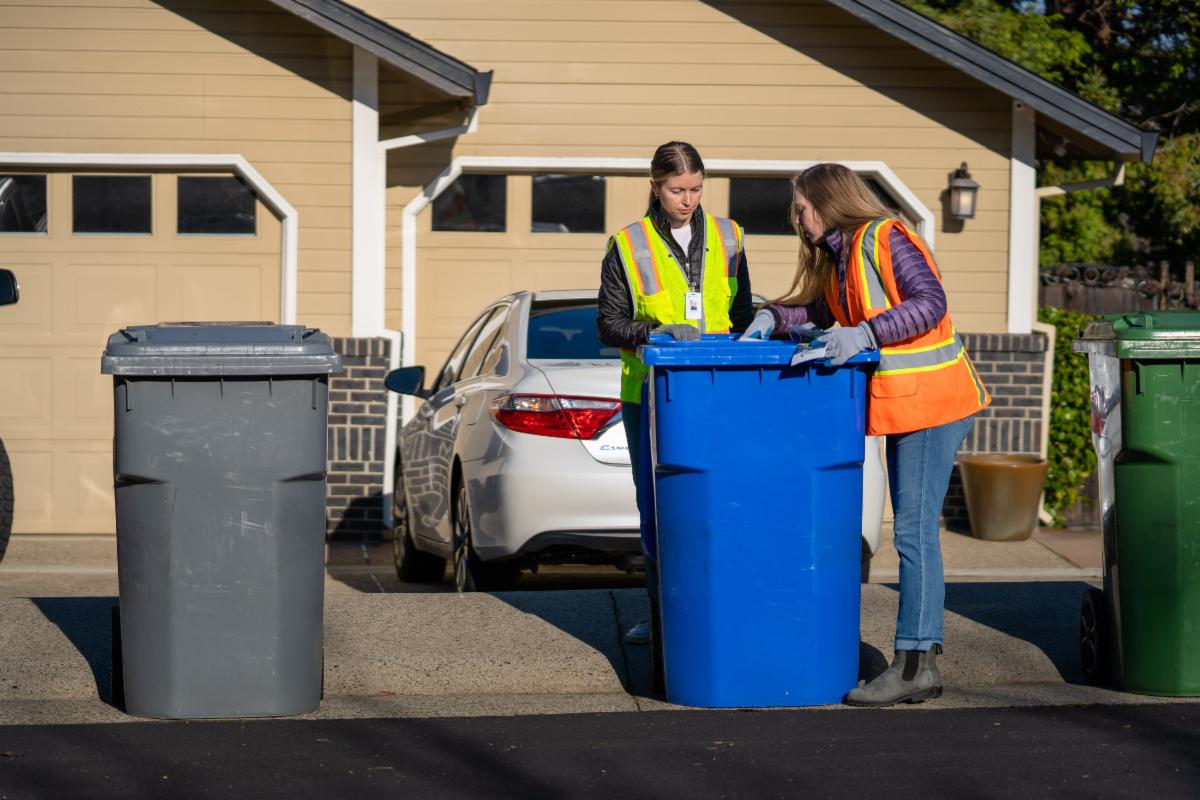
x: 76, y: 289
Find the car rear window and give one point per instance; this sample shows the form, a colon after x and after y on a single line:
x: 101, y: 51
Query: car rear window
x: 566, y: 332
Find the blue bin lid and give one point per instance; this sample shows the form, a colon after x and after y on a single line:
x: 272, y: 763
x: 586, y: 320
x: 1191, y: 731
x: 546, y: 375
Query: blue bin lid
x: 724, y: 349
x: 179, y: 349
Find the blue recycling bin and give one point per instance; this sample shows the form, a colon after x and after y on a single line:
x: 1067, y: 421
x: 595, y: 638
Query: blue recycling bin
x: 758, y: 499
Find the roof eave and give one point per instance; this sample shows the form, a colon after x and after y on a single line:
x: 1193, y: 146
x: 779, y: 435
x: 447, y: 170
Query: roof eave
x: 1123, y: 140
x: 392, y: 45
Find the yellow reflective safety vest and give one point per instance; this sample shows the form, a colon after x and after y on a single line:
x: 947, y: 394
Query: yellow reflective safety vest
x: 921, y: 382
x: 658, y: 285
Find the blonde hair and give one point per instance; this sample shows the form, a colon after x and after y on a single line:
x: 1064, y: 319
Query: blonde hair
x: 672, y: 158
x: 843, y: 202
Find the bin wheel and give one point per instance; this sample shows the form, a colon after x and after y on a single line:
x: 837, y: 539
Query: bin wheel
x: 1093, y: 637
x: 117, y: 676
x: 6, y: 499
x: 470, y: 573
x: 412, y: 565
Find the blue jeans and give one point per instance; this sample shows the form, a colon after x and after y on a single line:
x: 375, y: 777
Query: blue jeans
x: 919, y: 467
x: 636, y: 419
x: 637, y: 434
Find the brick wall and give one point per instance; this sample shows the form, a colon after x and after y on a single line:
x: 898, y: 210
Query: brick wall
x: 1013, y: 369
x: 357, y: 414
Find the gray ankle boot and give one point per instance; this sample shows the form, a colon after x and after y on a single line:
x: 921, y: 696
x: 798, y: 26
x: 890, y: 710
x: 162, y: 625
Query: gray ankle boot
x: 911, y: 678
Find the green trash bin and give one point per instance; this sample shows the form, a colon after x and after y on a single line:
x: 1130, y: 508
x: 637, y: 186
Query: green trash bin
x: 1143, y: 631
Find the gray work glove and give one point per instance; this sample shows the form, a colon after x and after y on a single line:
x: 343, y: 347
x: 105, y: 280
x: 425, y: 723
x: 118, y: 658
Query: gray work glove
x: 680, y: 332
x: 837, y: 346
x: 761, y: 328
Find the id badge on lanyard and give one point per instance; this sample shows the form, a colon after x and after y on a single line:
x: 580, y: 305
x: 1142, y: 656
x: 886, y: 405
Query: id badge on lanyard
x: 691, y: 305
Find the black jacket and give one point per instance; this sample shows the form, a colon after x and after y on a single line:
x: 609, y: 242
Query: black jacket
x: 615, y: 320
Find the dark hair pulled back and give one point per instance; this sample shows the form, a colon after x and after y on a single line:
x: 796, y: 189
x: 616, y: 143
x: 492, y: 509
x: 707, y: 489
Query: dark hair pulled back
x: 672, y: 158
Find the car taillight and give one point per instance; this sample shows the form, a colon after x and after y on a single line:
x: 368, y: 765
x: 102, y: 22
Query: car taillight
x: 549, y: 415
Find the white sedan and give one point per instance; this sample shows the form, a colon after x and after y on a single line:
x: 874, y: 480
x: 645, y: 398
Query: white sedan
x: 516, y: 456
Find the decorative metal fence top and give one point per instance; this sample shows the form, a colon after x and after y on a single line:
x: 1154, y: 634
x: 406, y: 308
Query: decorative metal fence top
x: 1149, y: 282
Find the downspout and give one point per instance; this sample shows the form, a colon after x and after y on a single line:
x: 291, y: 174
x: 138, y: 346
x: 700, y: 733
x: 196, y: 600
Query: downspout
x: 403, y: 348
x: 1050, y: 332
x: 369, y: 271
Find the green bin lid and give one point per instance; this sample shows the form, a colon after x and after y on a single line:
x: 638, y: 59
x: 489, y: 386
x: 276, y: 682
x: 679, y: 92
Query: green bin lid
x: 1144, y: 334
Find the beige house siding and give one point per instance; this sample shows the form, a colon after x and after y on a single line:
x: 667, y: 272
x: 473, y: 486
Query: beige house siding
x: 614, y: 78
x: 172, y: 78
x: 217, y: 77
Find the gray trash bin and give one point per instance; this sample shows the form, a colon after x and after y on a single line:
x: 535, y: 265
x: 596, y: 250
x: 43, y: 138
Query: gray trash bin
x: 219, y: 458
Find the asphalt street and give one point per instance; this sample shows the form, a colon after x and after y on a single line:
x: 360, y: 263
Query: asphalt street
x: 1090, y: 751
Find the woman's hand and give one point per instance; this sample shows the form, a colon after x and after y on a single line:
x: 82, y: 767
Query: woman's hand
x: 761, y: 328
x: 680, y: 333
x: 837, y: 346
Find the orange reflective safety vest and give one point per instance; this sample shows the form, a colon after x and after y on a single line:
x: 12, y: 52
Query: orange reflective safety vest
x: 921, y: 382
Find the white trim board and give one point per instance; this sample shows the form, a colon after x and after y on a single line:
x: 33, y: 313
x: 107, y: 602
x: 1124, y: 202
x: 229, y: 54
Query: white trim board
x: 198, y: 162
x: 717, y: 167
x: 1023, y: 223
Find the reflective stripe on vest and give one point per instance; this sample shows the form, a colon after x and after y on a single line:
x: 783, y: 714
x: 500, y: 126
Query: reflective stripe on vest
x: 730, y: 237
x: 936, y: 360
x: 657, y: 284
x: 635, y: 249
x: 866, y: 260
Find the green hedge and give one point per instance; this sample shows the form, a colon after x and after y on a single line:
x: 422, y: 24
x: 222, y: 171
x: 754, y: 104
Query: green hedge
x: 1070, y: 453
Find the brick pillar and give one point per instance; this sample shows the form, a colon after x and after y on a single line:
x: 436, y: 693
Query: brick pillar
x: 357, y: 415
x: 1013, y: 369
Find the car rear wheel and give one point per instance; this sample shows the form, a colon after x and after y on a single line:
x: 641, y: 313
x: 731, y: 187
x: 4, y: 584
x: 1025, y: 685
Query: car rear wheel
x: 412, y: 565
x: 470, y: 573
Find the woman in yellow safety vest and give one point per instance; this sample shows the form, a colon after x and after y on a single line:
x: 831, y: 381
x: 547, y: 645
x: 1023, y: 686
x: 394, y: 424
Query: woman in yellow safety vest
x: 677, y: 271
x: 865, y: 270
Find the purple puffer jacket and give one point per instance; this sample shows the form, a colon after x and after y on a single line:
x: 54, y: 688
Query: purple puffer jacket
x: 922, y: 305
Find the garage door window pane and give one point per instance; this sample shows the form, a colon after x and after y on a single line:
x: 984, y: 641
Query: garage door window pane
x: 111, y: 203
x: 761, y: 205
x: 472, y: 203
x: 568, y: 204
x: 22, y: 203
x: 216, y: 205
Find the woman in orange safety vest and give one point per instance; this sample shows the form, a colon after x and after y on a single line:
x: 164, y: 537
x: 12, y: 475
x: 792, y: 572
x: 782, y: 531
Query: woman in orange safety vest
x: 864, y: 269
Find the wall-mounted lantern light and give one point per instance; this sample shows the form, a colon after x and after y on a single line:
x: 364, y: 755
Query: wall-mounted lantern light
x: 962, y: 193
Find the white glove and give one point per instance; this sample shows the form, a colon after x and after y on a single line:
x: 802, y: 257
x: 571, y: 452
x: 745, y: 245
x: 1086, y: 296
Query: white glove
x: 761, y: 328
x: 837, y: 346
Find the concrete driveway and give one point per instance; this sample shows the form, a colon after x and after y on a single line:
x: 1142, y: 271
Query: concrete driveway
x: 395, y: 649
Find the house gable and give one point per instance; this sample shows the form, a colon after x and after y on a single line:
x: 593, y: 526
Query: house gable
x: 1085, y: 129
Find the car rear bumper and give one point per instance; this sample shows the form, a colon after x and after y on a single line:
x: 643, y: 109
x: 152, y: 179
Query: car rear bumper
x: 561, y: 497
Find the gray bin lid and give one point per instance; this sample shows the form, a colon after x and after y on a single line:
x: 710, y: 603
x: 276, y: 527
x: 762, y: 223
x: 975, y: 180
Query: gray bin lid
x: 185, y: 349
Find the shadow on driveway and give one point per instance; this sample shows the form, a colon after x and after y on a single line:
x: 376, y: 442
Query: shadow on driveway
x: 87, y: 624
x: 1043, y: 613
